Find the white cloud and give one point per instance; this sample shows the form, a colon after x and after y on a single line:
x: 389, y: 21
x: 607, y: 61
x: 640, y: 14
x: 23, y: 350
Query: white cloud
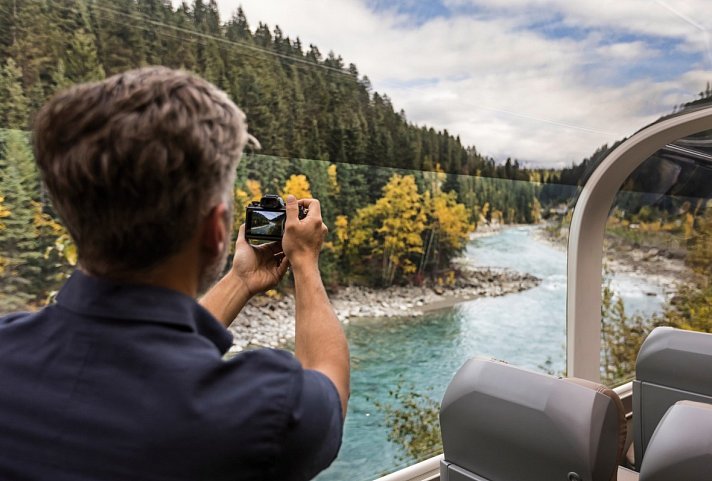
x: 626, y: 51
x: 504, y: 86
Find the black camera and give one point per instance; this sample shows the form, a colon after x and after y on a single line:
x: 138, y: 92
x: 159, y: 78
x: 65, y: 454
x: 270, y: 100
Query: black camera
x: 264, y: 220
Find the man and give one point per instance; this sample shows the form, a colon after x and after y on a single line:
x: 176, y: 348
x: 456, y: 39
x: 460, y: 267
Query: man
x: 123, y: 377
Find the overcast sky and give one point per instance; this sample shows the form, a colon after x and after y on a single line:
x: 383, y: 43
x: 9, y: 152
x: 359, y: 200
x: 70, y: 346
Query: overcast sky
x: 543, y: 81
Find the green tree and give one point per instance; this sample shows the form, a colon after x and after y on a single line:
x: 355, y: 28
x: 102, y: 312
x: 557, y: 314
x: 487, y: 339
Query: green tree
x: 82, y: 62
x: 35, y: 47
x: 119, y: 42
x: 14, y: 106
x: 699, y: 253
x: 413, y: 422
x: 621, y: 338
x: 18, y: 238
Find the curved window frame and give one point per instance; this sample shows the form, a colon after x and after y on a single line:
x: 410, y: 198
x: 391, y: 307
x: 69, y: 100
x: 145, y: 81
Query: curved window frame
x: 585, y: 246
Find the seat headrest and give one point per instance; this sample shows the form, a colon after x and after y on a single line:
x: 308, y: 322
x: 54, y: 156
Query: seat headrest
x: 502, y: 422
x: 681, y: 446
x: 666, y: 349
x: 610, y: 393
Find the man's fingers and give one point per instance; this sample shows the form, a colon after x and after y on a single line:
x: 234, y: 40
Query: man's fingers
x: 282, y: 268
x: 275, y: 248
x: 241, y: 234
x: 272, y: 248
x: 313, y: 207
x: 292, y: 208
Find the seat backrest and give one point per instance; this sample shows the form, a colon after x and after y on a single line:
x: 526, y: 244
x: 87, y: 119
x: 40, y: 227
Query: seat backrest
x: 681, y: 446
x: 504, y: 423
x: 672, y: 365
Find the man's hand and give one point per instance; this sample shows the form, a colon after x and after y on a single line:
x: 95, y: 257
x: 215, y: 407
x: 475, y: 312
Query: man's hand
x: 303, y: 238
x: 259, y: 267
x: 254, y: 269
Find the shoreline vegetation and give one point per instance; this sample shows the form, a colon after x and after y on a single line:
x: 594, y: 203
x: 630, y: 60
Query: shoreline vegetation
x: 665, y: 267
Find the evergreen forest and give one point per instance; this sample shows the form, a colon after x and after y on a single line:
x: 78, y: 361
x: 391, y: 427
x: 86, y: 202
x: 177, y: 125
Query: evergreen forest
x: 320, y: 124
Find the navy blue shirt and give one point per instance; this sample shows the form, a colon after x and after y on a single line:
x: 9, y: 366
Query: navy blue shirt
x: 127, y: 382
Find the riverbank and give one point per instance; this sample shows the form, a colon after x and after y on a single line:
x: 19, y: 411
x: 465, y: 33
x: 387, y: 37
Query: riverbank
x: 664, y: 267
x: 269, y: 321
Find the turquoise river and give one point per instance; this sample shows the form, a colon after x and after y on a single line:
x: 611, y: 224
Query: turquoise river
x: 526, y: 328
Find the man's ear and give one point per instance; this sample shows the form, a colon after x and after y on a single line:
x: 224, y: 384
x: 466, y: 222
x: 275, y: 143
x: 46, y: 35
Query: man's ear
x: 215, y: 234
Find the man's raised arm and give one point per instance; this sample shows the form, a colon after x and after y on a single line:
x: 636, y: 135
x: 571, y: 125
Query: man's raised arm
x: 320, y: 343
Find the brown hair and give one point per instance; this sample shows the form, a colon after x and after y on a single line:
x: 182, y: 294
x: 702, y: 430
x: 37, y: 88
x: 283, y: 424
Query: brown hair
x: 134, y: 162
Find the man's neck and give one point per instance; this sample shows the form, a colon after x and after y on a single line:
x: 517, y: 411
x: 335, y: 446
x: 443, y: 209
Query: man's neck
x: 178, y: 272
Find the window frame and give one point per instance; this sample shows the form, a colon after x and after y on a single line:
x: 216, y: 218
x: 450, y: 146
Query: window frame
x: 585, y: 246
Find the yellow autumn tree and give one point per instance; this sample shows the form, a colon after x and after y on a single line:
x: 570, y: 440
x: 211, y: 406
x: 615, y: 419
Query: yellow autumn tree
x: 483, y: 213
x: 340, y: 237
x: 334, y: 187
x: 57, y: 244
x: 298, y: 186
x: 448, y: 228
x: 341, y: 233
x: 435, y: 179
x: 452, y: 220
x: 535, y: 210
x: 389, y: 232
x: 251, y: 191
x: 4, y: 212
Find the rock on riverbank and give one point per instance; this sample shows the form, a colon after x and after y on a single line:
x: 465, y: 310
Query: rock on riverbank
x: 269, y: 322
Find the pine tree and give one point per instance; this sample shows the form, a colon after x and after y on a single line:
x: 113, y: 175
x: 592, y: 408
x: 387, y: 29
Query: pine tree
x: 14, y: 106
x: 18, y: 239
x: 180, y: 46
x: 82, y: 63
x: 155, y: 15
x: 35, y: 48
x: 59, y: 77
x: 119, y: 43
x: 237, y: 29
x: 8, y: 27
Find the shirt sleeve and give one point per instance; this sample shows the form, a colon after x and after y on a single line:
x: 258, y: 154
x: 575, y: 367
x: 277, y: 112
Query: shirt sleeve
x: 314, y: 428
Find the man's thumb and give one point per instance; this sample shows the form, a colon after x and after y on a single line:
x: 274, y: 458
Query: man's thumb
x: 292, y: 208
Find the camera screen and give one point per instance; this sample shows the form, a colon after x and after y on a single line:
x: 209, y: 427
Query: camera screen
x: 267, y: 222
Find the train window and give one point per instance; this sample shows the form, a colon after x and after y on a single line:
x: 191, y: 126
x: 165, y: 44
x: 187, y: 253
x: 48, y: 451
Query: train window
x: 657, y: 251
x: 447, y: 142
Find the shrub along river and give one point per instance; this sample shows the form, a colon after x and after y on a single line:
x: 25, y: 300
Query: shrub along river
x: 525, y: 328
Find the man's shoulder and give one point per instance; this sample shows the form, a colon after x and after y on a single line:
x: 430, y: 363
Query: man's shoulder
x: 14, y: 317
x: 267, y: 373
x: 276, y: 381
x: 266, y: 358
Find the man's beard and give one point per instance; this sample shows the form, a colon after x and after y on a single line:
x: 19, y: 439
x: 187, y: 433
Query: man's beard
x: 212, y: 271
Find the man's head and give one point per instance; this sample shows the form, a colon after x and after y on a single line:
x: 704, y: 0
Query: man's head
x: 135, y: 163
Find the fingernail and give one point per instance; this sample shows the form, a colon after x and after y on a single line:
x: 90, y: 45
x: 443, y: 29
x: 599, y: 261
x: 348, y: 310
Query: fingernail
x: 291, y: 198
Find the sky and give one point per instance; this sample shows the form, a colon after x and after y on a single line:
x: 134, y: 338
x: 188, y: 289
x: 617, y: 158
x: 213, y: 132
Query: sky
x: 542, y: 81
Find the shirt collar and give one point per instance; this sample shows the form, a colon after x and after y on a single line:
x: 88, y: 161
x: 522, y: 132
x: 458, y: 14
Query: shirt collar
x: 98, y: 297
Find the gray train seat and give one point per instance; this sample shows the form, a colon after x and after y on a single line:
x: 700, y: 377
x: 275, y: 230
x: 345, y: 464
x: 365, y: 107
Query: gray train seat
x: 504, y: 423
x: 680, y: 449
x: 672, y: 365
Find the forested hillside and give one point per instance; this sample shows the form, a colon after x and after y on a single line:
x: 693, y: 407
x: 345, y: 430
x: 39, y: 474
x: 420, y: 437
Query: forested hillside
x: 319, y: 122
x: 321, y: 126
x: 300, y: 102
